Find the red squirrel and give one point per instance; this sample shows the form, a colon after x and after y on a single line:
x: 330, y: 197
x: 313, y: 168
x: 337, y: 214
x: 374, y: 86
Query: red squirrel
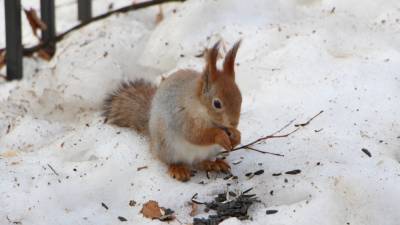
x: 189, y: 118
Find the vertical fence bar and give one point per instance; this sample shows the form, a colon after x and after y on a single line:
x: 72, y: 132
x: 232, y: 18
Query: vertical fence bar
x: 84, y: 10
x: 48, y: 16
x: 12, y: 10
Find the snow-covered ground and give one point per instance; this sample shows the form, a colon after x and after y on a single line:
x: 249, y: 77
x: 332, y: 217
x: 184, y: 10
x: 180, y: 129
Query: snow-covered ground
x: 298, y: 57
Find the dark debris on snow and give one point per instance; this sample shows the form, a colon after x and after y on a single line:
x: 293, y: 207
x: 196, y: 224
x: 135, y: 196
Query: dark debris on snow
x: 233, y: 206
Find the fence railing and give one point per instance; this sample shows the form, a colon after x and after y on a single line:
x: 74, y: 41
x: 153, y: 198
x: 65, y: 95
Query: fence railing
x: 14, y: 50
x: 14, y: 47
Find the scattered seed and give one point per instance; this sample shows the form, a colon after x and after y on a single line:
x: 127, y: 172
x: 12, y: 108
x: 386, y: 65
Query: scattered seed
x: 366, y: 152
x: 276, y: 174
x: 271, y: 211
x: 228, y: 177
x: 237, y: 162
x: 248, y: 190
x: 224, y: 209
x: 232, y: 194
x: 208, y: 174
x: 293, y: 172
x: 167, y: 215
x: 122, y: 219
x: 141, y: 168
x: 249, y: 175
x: 104, y: 205
x: 132, y: 203
x: 259, y: 172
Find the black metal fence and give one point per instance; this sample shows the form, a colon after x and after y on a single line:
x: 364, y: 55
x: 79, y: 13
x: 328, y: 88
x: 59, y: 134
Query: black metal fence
x: 14, y: 48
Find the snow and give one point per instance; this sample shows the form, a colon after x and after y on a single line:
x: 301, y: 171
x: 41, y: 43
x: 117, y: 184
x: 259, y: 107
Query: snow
x: 298, y: 57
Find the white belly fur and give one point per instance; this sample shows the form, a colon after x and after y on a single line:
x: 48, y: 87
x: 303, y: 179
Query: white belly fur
x: 185, y: 152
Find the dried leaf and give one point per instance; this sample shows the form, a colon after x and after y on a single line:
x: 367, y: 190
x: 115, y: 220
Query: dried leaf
x: 194, y: 210
x: 151, y: 210
x: 160, y: 15
x: 34, y: 20
x: 44, y: 55
x: 2, y: 59
x: 9, y: 154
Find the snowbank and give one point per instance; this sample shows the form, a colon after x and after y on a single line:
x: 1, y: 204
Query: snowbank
x: 298, y: 57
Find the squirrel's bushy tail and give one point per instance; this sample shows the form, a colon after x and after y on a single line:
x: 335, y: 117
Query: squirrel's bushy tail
x: 129, y: 106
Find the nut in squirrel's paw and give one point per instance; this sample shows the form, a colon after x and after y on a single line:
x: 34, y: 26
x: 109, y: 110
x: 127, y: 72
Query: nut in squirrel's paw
x: 223, y: 140
x: 234, y: 136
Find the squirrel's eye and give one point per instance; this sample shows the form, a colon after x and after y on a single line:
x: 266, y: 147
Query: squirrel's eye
x: 217, y: 104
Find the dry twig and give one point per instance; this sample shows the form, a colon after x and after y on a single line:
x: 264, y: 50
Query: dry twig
x: 52, y: 169
x: 249, y: 146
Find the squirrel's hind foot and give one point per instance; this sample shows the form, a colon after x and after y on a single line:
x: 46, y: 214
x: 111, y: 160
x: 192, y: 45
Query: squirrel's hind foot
x: 218, y: 165
x: 179, y: 172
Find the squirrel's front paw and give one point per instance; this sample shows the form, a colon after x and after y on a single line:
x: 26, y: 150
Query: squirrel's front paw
x: 179, y: 172
x: 223, y: 140
x: 234, y: 136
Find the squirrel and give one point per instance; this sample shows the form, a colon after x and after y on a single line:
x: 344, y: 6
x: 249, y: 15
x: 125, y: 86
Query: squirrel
x: 189, y: 118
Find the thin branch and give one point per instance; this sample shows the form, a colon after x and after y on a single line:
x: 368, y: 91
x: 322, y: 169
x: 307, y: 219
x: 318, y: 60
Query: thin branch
x: 284, y: 127
x: 52, y: 169
x: 265, y: 138
x: 263, y: 152
x: 308, y: 122
x: 273, y: 135
x: 29, y: 51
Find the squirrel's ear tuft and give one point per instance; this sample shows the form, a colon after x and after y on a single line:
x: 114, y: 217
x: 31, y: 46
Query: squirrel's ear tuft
x: 229, y: 62
x: 211, y: 61
x: 210, y: 71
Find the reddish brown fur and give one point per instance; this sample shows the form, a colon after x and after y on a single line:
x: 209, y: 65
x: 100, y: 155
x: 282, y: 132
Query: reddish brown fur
x: 218, y: 165
x: 203, y: 124
x: 130, y: 105
x: 220, y: 84
x: 179, y: 172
